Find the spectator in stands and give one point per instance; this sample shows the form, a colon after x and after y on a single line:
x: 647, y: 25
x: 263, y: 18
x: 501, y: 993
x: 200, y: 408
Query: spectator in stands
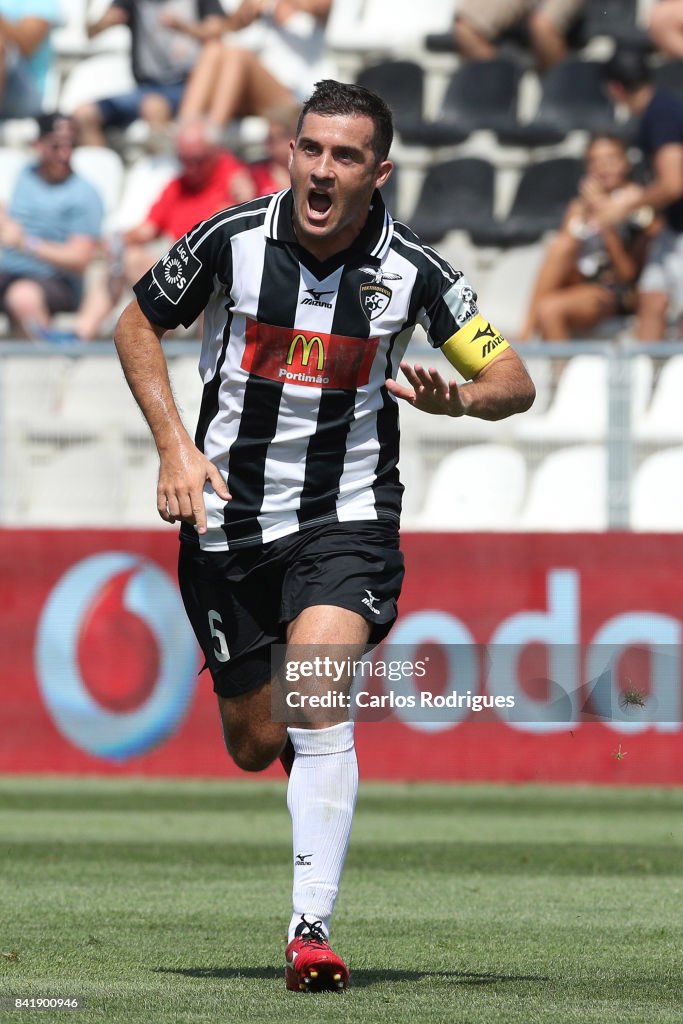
x: 163, y: 52
x: 590, y: 267
x: 210, y: 179
x: 272, y: 174
x: 666, y: 27
x: 25, y: 54
x: 479, y: 24
x: 230, y: 80
x: 660, y: 137
x: 49, y: 233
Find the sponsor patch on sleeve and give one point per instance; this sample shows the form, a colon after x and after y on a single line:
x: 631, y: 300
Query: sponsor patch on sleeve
x: 461, y: 299
x: 175, y: 272
x: 471, y: 348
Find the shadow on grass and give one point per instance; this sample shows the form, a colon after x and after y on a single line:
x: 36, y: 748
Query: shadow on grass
x: 360, y: 978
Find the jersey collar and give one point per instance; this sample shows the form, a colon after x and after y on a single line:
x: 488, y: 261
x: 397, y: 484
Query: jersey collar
x: 374, y: 240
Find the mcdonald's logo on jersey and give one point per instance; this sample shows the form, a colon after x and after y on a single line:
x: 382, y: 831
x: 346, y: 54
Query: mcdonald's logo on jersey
x: 292, y: 356
x: 306, y: 347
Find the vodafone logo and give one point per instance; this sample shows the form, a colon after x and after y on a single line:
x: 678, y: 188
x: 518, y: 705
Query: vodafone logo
x: 583, y: 676
x: 116, y: 659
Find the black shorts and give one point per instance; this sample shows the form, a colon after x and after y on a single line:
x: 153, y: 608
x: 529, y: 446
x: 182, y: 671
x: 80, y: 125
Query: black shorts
x: 240, y: 602
x: 59, y: 292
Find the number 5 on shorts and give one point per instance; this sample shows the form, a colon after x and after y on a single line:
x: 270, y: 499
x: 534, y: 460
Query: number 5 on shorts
x: 221, y: 651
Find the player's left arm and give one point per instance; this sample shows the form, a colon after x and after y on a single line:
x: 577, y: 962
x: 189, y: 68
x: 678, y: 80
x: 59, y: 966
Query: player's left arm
x: 499, y: 386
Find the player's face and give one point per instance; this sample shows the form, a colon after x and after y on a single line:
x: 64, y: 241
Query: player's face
x: 334, y: 172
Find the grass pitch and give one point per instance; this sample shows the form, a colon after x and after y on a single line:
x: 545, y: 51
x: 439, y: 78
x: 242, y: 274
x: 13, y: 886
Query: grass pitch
x: 167, y: 902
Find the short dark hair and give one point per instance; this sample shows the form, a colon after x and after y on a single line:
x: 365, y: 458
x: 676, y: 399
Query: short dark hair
x: 629, y: 68
x: 616, y: 140
x: 48, y: 123
x: 331, y: 98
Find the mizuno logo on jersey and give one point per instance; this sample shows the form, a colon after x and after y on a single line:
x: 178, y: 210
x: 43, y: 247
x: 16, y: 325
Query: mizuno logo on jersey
x: 292, y: 356
x: 316, y: 298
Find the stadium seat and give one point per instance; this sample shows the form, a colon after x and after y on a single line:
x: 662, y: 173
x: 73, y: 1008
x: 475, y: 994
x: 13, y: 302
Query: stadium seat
x: 617, y: 19
x: 573, y: 97
x: 80, y: 486
x: 70, y: 39
x: 103, y: 168
x: 568, y: 491
x: 578, y: 411
x: 657, y: 492
x: 12, y: 162
x: 507, y: 288
x: 480, y: 95
x: 142, y: 185
x: 401, y: 84
x: 456, y: 195
x: 370, y: 25
x: 543, y: 192
x: 479, y: 487
x: 662, y: 421
x: 104, y: 74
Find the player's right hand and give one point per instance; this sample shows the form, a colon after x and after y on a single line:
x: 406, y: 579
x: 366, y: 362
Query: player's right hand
x: 183, y: 475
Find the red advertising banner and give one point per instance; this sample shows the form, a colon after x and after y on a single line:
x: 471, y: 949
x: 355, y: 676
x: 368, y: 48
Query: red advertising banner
x: 579, y: 632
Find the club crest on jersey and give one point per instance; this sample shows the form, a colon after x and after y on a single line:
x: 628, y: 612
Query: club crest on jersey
x: 176, y: 271
x: 374, y: 299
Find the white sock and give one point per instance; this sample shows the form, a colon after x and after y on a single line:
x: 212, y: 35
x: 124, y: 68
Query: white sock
x: 321, y: 798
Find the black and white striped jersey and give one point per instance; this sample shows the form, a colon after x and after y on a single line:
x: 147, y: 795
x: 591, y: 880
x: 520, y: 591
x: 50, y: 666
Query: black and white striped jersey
x: 295, y: 353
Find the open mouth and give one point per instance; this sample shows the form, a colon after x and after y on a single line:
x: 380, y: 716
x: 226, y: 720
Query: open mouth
x: 319, y: 202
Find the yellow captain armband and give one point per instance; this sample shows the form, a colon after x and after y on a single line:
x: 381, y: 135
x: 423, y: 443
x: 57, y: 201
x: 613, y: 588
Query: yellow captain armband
x: 471, y: 348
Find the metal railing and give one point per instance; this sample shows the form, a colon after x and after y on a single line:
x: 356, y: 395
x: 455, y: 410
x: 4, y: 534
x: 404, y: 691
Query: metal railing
x: 35, y: 431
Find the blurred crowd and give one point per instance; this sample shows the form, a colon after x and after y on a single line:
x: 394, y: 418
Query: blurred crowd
x: 618, y: 251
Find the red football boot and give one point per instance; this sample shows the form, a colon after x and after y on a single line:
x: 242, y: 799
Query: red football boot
x: 311, y: 965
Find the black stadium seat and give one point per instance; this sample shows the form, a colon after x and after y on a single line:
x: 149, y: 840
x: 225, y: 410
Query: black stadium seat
x: 456, y: 195
x: 574, y: 97
x: 400, y: 83
x: 543, y: 193
x: 616, y: 19
x: 481, y: 94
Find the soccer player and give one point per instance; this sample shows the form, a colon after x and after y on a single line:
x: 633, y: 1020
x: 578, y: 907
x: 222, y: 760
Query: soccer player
x: 289, y: 496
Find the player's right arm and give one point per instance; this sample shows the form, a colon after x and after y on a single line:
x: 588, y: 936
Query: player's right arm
x: 183, y: 469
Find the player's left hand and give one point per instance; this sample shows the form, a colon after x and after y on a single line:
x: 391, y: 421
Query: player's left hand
x: 429, y: 392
